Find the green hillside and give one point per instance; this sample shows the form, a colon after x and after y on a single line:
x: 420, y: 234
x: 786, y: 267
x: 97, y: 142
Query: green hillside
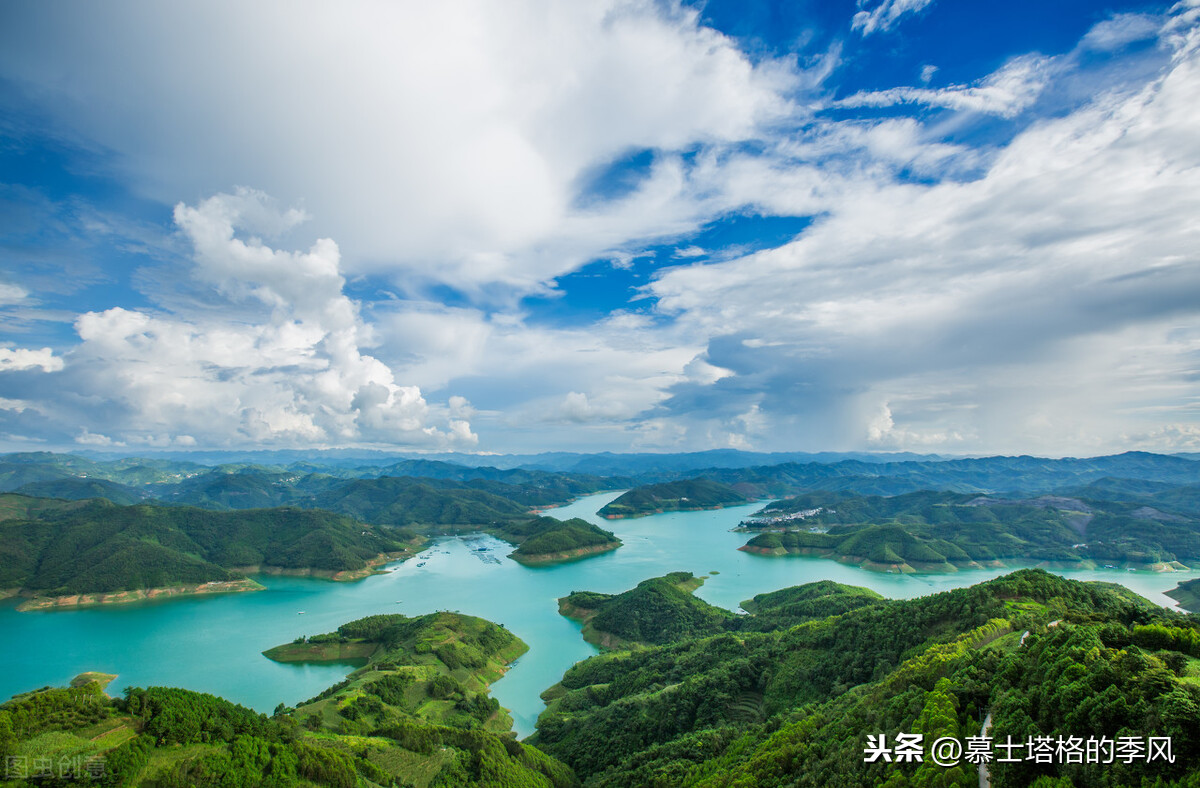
x: 74, y: 489
x: 96, y: 546
x: 941, y: 531
x: 1187, y: 594
x: 370, y: 730
x: 681, y: 496
x: 413, y: 502
x: 545, y: 539
x: 795, y: 706
x: 434, y: 668
x: 658, y: 610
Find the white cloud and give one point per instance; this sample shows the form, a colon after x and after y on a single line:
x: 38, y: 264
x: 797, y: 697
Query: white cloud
x: 284, y: 366
x: 988, y: 309
x: 1120, y: 31
x: 1008, y: 91
x: 12, y: 359
x: 12, y: 294
x: 885, y: 14
x: 457, y: 131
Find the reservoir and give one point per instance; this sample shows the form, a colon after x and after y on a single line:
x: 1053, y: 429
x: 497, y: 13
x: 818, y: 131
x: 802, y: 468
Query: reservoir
x: 214, y: 644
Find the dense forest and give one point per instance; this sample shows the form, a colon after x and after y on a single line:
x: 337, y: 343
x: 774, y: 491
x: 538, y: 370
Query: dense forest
x: 658, y: 610
x: 682, y: 496
x: 547, y: 539
x: 794, y: 704
x: 941, y: 531
x: 55, y: 548
x: 434, y: 668
x: 797, y: 692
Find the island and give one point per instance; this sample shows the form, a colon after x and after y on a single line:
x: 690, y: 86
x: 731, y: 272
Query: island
x: 435, y: 668
x: 930, y: 531
x: 656, y: 611
x: 549, y: 541
x: 683, y: 496
x: 60, y: 553
x: 416, y: 714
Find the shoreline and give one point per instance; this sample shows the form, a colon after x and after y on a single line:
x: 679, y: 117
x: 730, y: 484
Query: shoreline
x: 138, y: 595
x: 636, y: 515
x: 564, y: 556
x: 34, y: 601
x: 1160, y: 567
x: 339, y: 575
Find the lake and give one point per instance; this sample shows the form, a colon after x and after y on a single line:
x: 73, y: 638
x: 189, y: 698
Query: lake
x: 214, y: 644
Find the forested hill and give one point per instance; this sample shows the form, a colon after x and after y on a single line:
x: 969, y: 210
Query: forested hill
x: 433, y: 668
x: 794, y: 706
x: 418, y: 715
x: 546, y: 540
x: 658, y: 610
x: 682, y: 496
x: 58, y: 547
x: 932, y: 531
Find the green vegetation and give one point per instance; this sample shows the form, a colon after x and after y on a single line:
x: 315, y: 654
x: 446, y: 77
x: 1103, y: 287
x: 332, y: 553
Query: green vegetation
x: 434, y: 668
x: 941, y: 531
x: 60, y: 548
x: 797, y: 604
x: 546, y: 539
x: 1187, y: 594
x: 794, y: 705
x: 682, y: 496
x: 377, y: 734
x: 658, y: 610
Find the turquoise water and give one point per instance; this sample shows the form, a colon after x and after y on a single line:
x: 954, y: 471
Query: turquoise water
x: 214, y: 644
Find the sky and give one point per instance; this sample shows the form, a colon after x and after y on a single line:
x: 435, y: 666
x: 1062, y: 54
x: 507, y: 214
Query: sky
x: 622, y: 225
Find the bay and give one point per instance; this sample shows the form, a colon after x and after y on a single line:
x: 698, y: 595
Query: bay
x: 214, y: 644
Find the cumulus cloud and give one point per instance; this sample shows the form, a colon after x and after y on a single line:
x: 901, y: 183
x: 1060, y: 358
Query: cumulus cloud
x: 284, y: 366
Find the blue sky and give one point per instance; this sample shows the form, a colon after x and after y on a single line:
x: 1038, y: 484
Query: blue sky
x: 613, y: 225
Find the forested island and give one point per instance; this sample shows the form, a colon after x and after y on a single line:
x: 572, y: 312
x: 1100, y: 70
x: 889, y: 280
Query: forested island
x: 656, y: 611
x: 942, y: 531
x: 434, y: 668
x: 683, y: 496
x: 547, y: 540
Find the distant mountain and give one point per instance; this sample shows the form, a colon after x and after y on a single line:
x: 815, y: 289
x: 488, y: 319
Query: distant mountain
x: 74, y: 489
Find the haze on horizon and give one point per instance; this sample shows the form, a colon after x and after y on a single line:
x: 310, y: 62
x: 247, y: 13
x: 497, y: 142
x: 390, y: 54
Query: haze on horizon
x: 882, y: 225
